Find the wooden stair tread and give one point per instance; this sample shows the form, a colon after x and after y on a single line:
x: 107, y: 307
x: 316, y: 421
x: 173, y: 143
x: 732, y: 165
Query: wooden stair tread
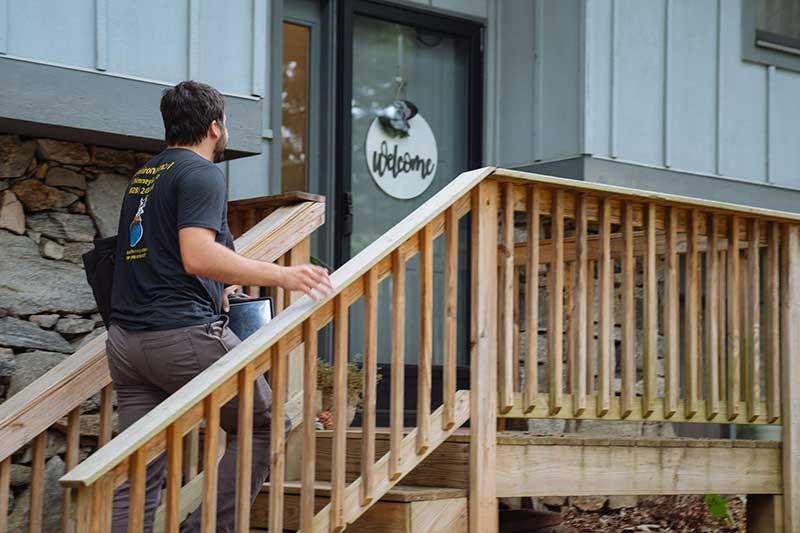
x: 398, y: 493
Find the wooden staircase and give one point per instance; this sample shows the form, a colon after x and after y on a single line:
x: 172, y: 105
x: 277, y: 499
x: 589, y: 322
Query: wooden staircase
x: 576, y: 236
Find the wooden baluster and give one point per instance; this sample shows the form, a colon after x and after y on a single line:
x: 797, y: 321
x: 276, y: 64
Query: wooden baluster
x: 250, y: 220
x: 606, y: 340
x: 398, y: 363
x: 5, y: 480
x: 278, y: 293
x: 650, y: 321
x: 555, y: 323
x: 744, y: 327
x: 591, y: 345
x: 210, y: 447
x: 277, y: 471
x: 244, y: 446
x: 370, y: 384
x: 174, y: 466
x: 790, y: 374
x: 722, y: 293
x: 754, y: 322
x: 516, y: 364
x: 191, y: 454
x: 672, y: 384
x: 137, y: 475
x: 532, y: 303
x: 691, y: 313
x: 339, y: 453
x: 483, y: 359
x: 70, y: 461
x: 37, y: 483
x: 83, y: 509
x: 710, y: 319
x: 307, y: 493
x: 629, y: 312
x: 506, y: 294
x: 569, y: 317
x: 733, y: 319
x: 772, y: 321
x: 106, y: 410
x: 101, y: 500
x: 425, y: 340
x: 579, y: 315
x: 450, y: 317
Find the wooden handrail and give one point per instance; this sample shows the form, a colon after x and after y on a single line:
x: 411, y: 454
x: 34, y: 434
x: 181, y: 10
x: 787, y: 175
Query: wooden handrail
x: 61, y: 391
x: 713, y: 377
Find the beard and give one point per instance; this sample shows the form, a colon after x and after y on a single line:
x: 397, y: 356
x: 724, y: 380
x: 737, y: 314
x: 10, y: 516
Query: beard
x: 219, y: 148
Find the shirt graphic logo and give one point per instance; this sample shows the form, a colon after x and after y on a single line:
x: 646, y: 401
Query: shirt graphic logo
x: 136, y: 229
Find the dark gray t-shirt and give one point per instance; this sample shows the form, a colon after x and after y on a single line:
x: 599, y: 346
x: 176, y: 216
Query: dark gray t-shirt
x: 176, y: 189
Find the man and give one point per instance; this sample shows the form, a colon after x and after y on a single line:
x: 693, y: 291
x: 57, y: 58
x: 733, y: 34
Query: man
x: 167, y: 301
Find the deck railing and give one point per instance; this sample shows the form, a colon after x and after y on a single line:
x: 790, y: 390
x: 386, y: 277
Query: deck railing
x: 720, y: 283
x: 53, y: 402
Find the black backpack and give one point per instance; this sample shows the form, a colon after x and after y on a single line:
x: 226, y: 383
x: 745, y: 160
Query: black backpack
x: 99, y: 265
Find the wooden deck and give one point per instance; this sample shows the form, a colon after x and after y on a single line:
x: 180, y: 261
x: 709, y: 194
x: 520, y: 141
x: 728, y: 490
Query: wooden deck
x: 576, y: 465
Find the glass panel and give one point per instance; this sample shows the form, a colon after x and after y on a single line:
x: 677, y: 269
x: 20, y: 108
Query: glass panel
x: 294, y: 101
x: 394, y: 61
x: 778, y: 23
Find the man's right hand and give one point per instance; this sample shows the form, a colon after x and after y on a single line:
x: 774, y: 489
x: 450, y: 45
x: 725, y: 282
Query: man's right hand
x: 306, y: 278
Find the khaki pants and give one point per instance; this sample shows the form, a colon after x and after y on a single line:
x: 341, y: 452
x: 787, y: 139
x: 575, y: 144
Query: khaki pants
x: 148, y: 366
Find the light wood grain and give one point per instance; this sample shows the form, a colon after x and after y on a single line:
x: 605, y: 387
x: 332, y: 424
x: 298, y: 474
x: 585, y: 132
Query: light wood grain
x: 340, y: 361
x: 244, y: 447
x: 277, y: 441
x: 483, y: 360
x: 211, y: 407
x: 772, y: 333
x: 398, y: 360
x: 138, y: 477
x: 790, y: 375
x: 174, y: 462
x: 37, y: 484
x: 370, y: 382
x: 505, y: 293
x: 451, y: 316
x: 310, y: 341
x: 733, y: 321
x: 754, y: 321
x: 628, y: 322
x: 710, y: 322
x: 605, y: 339
x: 425, y: 354
x: 70, y: 460
x: 5, y: 478
x: 580, y: 313
x: 532, y: 300
x: 692, y: 317
x: 650, y: 311
x: 555, y: 297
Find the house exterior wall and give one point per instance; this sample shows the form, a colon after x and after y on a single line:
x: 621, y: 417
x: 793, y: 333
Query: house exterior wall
x: 667, y: 87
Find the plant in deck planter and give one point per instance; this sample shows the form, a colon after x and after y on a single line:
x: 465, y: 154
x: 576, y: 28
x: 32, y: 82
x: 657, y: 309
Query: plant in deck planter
x: 355, y: 389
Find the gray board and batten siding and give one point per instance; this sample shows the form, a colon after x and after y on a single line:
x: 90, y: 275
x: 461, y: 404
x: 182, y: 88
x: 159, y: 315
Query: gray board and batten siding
x: 93, y: 70
x: 656, y: 94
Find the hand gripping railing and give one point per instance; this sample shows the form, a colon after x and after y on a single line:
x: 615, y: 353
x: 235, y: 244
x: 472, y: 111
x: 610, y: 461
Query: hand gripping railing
x: 54, y: 400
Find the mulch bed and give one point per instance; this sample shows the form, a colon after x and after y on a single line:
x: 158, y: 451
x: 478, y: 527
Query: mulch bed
x: 673, y: 514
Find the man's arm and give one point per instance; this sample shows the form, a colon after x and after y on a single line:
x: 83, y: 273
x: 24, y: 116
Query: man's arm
x: 203, y: 256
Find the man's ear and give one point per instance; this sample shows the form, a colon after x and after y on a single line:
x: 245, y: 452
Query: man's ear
x: 214, y: 130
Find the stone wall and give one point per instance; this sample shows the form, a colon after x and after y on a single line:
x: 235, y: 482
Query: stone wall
x: 55, y: 199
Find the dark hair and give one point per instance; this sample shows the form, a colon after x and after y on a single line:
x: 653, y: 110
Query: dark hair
x: 188, y: 109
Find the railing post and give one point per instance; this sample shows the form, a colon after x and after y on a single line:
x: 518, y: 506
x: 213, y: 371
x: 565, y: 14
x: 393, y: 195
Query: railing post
x: 790, y: 340
x: 483, y: 360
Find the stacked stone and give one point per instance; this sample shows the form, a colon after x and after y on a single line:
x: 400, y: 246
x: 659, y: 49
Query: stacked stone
x: 55, y: 199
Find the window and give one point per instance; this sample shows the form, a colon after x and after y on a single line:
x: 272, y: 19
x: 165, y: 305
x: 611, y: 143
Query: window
x: 771, y: 32
x: 778, y: 25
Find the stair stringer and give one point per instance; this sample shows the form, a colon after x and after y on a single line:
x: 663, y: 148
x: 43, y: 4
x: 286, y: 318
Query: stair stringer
x: 353, y: 507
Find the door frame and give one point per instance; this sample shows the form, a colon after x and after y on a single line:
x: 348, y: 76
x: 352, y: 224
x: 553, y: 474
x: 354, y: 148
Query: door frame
x: 427, y: 20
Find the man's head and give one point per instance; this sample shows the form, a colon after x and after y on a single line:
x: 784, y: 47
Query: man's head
x: 194, y: 114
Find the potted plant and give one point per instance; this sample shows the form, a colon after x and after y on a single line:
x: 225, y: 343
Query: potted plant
x: 355, y: 390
